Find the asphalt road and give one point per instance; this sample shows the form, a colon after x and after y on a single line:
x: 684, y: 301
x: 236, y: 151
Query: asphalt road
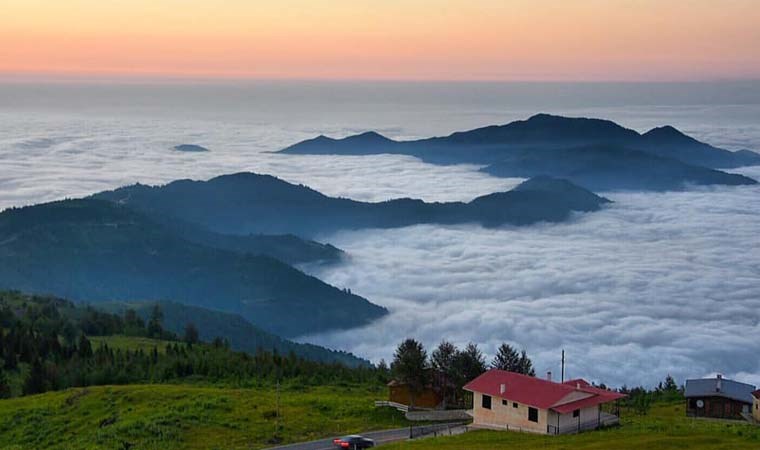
x: 380, y: 438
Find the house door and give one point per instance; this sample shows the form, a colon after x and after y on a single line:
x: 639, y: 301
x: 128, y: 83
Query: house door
x: 716, y: 408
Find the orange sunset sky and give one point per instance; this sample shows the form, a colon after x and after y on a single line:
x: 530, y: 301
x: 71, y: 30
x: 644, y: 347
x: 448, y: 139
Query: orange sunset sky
x: 637, y: 40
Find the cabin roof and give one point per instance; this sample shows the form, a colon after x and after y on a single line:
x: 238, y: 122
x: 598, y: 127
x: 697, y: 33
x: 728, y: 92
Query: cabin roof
x: 539, y: 393
x: 708, y: 387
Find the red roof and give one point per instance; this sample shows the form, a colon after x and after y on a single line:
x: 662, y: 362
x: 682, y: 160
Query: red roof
x: 756, y: 394
x: 539, y: 393
x: 597, y: 399
x: 577, y: 381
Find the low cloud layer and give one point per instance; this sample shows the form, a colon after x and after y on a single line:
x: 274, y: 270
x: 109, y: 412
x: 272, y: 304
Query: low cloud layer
x: 654, y: 284
x: 60, y: 157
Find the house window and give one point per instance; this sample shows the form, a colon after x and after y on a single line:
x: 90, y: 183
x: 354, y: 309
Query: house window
x: 533, y: 414
x: 504, y: 403
x: 486, y: 403
x: 514, y: 404
x: 576, y: 413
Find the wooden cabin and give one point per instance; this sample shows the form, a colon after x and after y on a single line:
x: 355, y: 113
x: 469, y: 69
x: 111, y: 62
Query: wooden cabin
x: 718, y: 398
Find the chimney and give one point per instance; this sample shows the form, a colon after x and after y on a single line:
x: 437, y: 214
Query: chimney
x: 719, y: 383
x: 549, y: 376
x: 502, y: 388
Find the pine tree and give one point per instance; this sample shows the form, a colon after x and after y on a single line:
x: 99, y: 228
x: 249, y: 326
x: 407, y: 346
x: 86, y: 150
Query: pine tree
x: 84, y: 348
x: 191, y: 334
x: 442, y: 360
x: 410, y: 366
x: 132, y: 319
x: 35, y: 380
x: 10, y: 362
x: 506, y: 358
x: 154, y: 355
x: 155, y: 330
x: 5, y: 387
x: 469, y: 364
x: 670, y: 384
x: 525, y: 365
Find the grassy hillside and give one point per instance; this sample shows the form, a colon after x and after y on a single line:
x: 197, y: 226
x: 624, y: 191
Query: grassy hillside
x: 49, y: 344
x: 179, y: 416
x: 665, y: 427
x: 195, y: 417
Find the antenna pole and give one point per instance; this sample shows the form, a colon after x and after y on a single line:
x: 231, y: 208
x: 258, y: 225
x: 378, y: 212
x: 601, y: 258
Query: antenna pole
x: 563, y: 366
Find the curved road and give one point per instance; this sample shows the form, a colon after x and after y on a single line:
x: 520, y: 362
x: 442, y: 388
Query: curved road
x: 380, y: 437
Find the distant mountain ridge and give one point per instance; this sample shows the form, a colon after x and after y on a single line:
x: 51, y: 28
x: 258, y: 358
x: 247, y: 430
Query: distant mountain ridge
x: 611, y: 167
x: 200, y: 243
x: 93, y: 250
x: 285, y: 247
x: 500, y: 145
x: 246, y: 203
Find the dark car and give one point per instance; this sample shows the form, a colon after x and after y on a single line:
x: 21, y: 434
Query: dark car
x: 354, y: 442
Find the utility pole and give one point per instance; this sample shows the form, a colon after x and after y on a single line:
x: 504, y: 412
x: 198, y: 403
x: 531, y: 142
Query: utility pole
x: 563, y: 366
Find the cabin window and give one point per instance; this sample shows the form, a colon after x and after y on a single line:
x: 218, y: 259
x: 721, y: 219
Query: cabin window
x: 514, y: 404
x: 576, y: 413
x: 504, y: 403
x: 533, y: 414
x: 486, y: 403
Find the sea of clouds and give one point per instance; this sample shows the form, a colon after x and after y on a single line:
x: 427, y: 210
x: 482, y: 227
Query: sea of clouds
x: 655, y: 284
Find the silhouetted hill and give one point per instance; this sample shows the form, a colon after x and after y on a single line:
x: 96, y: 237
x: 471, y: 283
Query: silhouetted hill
x: 610, y: 167
x: 365, y: 143
x: 671, y: 143
x: 546, y: 134
x: 91, y: 250
x: 544, y: 130
x: 242, y: 334
x: 285, y: 247
x: 191, y: 148
x: 250, y: 203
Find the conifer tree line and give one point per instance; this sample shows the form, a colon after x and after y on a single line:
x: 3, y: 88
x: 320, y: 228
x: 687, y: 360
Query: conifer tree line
x: 456, y: 367
x: 43, y: 349
x: 449, y: 368
x: 47, y: 344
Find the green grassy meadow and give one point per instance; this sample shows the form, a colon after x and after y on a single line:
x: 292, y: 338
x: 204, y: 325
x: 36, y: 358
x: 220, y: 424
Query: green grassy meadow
x: 183, y: 416
x: 665, y: 427
x: 187, y: 417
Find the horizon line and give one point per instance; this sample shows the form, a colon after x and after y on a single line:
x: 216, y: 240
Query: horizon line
x: 65, y: 77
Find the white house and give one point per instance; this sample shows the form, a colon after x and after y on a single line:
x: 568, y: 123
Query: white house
x: 512, y: 401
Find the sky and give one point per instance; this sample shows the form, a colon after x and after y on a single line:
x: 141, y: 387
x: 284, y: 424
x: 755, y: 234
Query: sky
x: 506, y: 40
